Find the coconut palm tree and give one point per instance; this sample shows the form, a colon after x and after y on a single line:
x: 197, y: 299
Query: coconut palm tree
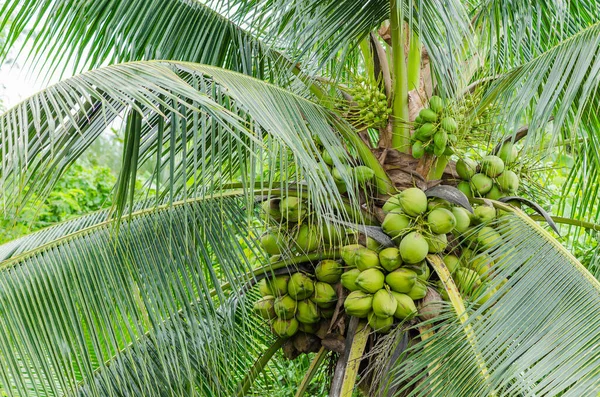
x: 232, y: 102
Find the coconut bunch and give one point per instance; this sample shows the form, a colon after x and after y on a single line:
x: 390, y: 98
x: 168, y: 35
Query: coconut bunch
x: 373, y: 110
x: 361, y: 173
x: 491, y: 177
x: 435, y: 130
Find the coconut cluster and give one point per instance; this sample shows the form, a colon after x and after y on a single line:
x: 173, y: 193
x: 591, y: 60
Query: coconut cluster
x: 435, y: 130
x: 491, y: 177
x: 360, y: 173
x: 372, y: 104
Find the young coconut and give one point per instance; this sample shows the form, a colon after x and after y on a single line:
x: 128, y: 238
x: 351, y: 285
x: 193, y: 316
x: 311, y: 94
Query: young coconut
x: 336, y: 152
x: 413, y: 248
x: 271, y: 209
x: 492, y: 166
x: 482, y: 264
x: 264, y: 288
x: 425, y: 273
x: 324, y: 295
x: 436, y: 104
x: 329, y: 271
x: 401, y: 280
x: 465, y: 187
x: 389, y: 259
x: 308, y: 312
x: 348, y: 253
x: 363, y: 174
x: 278, y: 285
x: 358, y: 304
x: 273, y: 243
x: 285, y: 328
x: 413, y: 201
x: 373, y: 245
x: 437, y: 243
x: 265, y: 307
x: 308, y: 238
x: 508, y: 153
x: 484, y: 213
x: 300, y: 286
x: 452, y: 262
x: 495, y: 193
x: 366, y: 259
x: 481, y: 184
x: 332, y: 234
x: 418, y: 291
x: 441, y: 221
x: 508, y: 181
x: 396, y: 224
x: 428, y: 115
x: 370, y: 280
x: 463, y: 219
x: 406, y: 306
x: 467, y: 280
x: 349, y: 279
x: 285, y: 307
x: 381, y: 325
x: 466, y: 168
x: 292, y: 208
x: 488, y: 237
x: 392, y: 204
x: 384, y: 303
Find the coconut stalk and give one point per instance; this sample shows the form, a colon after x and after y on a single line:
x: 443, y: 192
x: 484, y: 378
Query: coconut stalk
x: 400, y: 130
x: 312, y: 370
x: 414, y: 63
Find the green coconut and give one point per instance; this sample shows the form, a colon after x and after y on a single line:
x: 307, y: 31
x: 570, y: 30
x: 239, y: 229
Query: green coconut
x: 406, y: 306
x: 272, y: 243
x: 466, y: 168
x: 508, y: 153
x: 488, y: 237
x: 437, y: 243
x: 292, y: 208
x: 370, y: 280
x: 307, y: 312
x: 308, y: 238
x: 329, y: 271
x: 428, y: 115
x: 285, y: 328
x: 396, y: 225
x: 324, y: 295
x: 300, y: 286
x: 392, y: 204
x: 452, y: 262
x: 440, y: 139
x: 449, y: 124
x: 484, y: 213
x: 425, y: 273
x: 438, y: 203
x: 271, y: 209
x: 374, y: 245
x: 332, y: 234
x: 441, y: 221
x: 381, y: 325
x: 413, y: 201
x: 492, y: 166
x: 463, y: 219
x: 482, y: 264
x: 358, y: 304
x: 389, y: 259
x: 483, y: 294
x: 418, y: 150
x: 336, y: 152
x: 481, y: 184
x: 265, y: 307
x: 424, y: 132
x: 384, y: 303
x: 285, y: 307
x: 363, y: 174
x: 413, y: 248
x: 348, y: 253
x: 508, y: 181
x: 264, y: 288
x: 436, y: 104
x: 366, y: 259
x: 467, y: 280
x: 278, y: 285
x: 495, y: 193
x: 348, y: 279
x: 465, y: 187
x: 418, y: 291
x: 401, y: 280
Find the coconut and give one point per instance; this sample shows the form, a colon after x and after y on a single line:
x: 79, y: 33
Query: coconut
x: 358, y: 304
x: 413, y: 201
x: 441, y: 291
x: 265, y: 307
x: 285, y: 307
x: 308, y: 328
x: 488, y: 237
x: 418, y: 291
x: 463, y: 219
x: 428, y: 115
x: 272, y: 243
x: 437, y: 203
x: 436, y: 243
x: 481, y: 184
x: 329, y: 271
x: 392, y: 204
x: 389, y: 259
x: 271, y: 209
x: 449, y: 124
x: 366, y: 259
x: 292, y: 208
x: 465, y: 187
x: 380, y: 324
x: 492, y: 166
x: 373, y: 245
x: 278, y: 286
x: 418, y: 150
x: 401, y: 280
x: 484, y: 213
x: 384, y: 303
x: 483, y: 294
x: 264, y: 288
x: 424, y: 275
x: 495, y: 193
x: 508, y: 181
x: 508, y: 153
x: 466, y: 168
x: 406, y: 306
x: 413, y: 248
x: 363, y: 174
x: 341, y: 187
x: 300, y: 286
x: 396, y: 225
x: 370, y: 280
x: 285, y: 328
x: 424, y: 132
x: 327, y: 312
x: 436, y: 104
x: 307, y: 238
x: 441, y: 221
x: 332, y: 234
x: 482, y: 264
x: 452, y: 262
x: 467, y: 280
x: 348, y: 253
x: 307, y: 312
x: 440, y: 140
x: 336, y: 152
x: 324, y: 295
x: 349, y: 279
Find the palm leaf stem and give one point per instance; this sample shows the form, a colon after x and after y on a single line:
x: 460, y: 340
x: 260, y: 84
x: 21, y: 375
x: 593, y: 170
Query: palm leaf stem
x: 400, y: 133
x: 570, y: 221
x: 259, y: 366
x: 312, y: 370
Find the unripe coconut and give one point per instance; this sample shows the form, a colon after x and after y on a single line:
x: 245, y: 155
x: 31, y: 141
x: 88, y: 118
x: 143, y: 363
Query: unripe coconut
x: 271, y: 209
x: 308, y: 328
x: 463, y: 220
x: 467, y: 280
x: 449, y: 124
x: 374, y: 245
x: 396, y: 225
x: 465, y: 187
x: 508, y: 181
x: 436, y: 104
x: 406, y: 306
x: 384, y: 303
x: 488, y: 237
x: 348, y: 253
x: 381, y: 325
x: 482, y: 264
x: 418, y: 150
x: 413, y: 248
x: 452, y: 262
x: 483, y: 294
x: 358, y: 304
x: 466, y: 168
x: 508, y: 153
x: 329, y: 271
x: 349, y: 279
x: 425, y: 131
x: 272, y: 243
x: 292, y: 208
x: 413, y: 201
x: 418, y: 291
x: 338, y: 173
x: 324, y: 295
x: 440, y: 139
x: 389, y: 259
x: 439, y: 150
x: 495, y: 193
x: 366, y: 259
x: 327, y: 312
x: 337, y: 152
x: 481, y: 184
x: 401, y: 280
x: 424, y: 275
x: 300, y: 286
x: 278, y: 285
x: 264, y: 288
x: 484, y: 213
x: 341, y: 187
x: 370, y: 280
x: 307, y: 238
x: 392, y: 204
x: 441, y: 221
x: 285, y: 307
x: 363, y: 174
x: 428, y: 115
x: 437, y: 243
x: 437, y: 203
x: 307, y: 312
x: 492, y: 166
x: 332, y: 234
x: 285, y: 328
x: 265, y: 307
